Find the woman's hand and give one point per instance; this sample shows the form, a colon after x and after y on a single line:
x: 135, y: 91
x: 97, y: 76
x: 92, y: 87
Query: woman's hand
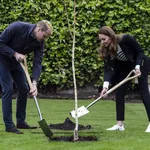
x: 137, y: 72
x: 103, y: 92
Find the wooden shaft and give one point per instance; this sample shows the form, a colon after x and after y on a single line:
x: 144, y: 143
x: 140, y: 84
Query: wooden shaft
x: 27, y: 75
x: 25, y: 68
x: 114, y: 88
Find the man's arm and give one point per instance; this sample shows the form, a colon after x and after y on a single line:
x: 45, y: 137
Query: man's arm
x: 37, y: 64
x: 5, y: 37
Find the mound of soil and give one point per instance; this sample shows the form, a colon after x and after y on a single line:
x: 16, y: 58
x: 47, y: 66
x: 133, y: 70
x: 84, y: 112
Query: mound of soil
x: 68, y: 125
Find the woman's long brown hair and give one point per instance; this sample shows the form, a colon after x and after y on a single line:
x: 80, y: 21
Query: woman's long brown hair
x: 112, y: 49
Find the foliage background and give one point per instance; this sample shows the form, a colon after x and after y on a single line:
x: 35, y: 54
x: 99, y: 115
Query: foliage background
x: 124, y: 16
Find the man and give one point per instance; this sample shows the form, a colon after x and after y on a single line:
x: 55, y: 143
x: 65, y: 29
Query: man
x: 18, y: 39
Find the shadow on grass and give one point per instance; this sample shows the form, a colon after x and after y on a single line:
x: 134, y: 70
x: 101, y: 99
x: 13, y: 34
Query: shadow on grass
x: 68, y: 136
x: 71, y: 138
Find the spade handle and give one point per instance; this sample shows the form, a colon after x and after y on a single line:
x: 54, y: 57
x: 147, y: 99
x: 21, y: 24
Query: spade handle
x: 25, y: 68
x: 129, y: 77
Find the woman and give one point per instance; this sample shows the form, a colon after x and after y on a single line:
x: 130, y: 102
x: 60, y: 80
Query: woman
x: 122, y: 53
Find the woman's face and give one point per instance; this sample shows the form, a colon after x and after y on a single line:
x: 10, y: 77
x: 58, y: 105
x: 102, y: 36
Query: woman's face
x: 105, y: 40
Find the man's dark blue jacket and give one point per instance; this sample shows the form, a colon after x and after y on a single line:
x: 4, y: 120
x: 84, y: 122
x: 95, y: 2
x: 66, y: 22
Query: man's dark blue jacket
x: 18, y: 37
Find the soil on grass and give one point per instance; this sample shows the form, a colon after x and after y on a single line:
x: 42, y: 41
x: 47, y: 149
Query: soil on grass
x: 68, y: 125
x: 71, y: 138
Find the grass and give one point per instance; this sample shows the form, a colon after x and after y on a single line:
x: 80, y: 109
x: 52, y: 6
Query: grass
x: 101, y: 116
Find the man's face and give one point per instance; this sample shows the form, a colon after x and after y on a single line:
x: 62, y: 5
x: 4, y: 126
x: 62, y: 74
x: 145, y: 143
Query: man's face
x: 42, y: 35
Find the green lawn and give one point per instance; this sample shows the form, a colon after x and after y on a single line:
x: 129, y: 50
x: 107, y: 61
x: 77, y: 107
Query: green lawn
x: 101, y: 116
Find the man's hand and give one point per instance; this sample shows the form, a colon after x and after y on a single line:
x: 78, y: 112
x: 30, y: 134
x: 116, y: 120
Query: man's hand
x: 19, y: 57
x: 33, y: 90
x: 104, y: 90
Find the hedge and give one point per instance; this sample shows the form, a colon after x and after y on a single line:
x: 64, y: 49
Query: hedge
x: 124, y: 16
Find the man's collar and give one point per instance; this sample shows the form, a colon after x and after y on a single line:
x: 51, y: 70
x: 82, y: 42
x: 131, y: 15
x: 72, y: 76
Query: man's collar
x: 31, y: 31
x: 33, y: 35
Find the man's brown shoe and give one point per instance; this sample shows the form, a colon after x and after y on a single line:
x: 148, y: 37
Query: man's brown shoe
x: 14, y: 130
x: 25, y: 126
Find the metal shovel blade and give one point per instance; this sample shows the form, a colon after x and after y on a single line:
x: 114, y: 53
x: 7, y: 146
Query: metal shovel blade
x: 81, y: 111
x: 45, y: 128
